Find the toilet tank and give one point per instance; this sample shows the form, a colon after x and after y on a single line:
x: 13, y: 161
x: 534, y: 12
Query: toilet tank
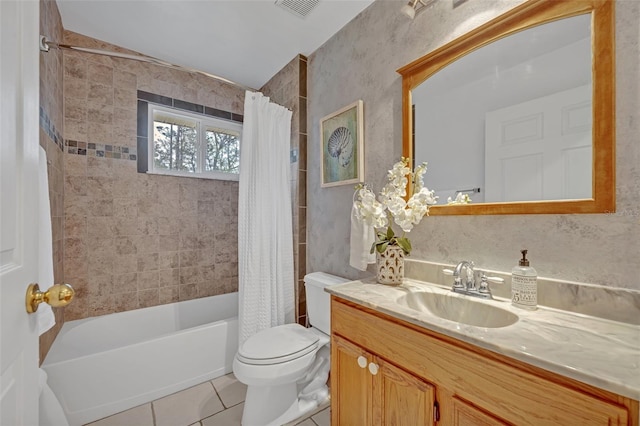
x: 318, y: 300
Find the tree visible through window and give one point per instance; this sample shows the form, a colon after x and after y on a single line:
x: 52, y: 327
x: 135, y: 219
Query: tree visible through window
x: 186, y: 144
x: 223, y: 150
x: 175, y: 146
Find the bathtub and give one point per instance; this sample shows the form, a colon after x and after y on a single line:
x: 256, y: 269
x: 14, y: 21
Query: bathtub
x: 103, y: 365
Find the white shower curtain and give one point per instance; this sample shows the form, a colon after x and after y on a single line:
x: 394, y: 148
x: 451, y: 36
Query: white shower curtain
x: 265, y: 236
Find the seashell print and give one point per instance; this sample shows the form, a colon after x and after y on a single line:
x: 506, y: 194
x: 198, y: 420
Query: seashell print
x: 340, y: 145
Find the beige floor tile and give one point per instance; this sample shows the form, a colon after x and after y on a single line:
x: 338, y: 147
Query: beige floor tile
x: 187, y: 407
x: 307, y: 422
x: 300, y: 421
x: 323, y: 418
x: 230, y: 390
x: 229, y: 417
x: 138, y: 416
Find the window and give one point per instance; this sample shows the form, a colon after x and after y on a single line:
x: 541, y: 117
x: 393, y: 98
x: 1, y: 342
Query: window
x: 186, y: 144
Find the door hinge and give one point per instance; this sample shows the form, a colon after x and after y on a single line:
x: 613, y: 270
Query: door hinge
x: 436, y: 411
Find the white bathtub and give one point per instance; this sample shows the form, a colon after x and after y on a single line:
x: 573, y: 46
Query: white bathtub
x: 103, y: 365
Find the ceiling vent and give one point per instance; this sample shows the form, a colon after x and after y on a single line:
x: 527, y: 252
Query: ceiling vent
x: 300, y: 8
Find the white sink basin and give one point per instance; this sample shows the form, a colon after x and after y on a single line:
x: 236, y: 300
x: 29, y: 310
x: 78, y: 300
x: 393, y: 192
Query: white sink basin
x: 461, y: 309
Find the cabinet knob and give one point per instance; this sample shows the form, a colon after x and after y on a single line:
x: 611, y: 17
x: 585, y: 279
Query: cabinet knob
x: 373, y: 368
x: 362, y: 361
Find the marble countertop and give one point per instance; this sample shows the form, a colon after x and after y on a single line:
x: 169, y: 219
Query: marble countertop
x: 600, y: 352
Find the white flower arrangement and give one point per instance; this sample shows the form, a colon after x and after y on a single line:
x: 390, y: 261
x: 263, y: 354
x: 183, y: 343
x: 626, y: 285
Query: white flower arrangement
x: 391, y: 203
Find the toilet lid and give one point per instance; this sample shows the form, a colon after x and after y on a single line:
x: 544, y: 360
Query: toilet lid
x: 278, y: 344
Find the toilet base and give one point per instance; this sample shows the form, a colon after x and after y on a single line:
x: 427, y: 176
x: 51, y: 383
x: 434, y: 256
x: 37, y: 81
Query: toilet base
x: 266, y: 404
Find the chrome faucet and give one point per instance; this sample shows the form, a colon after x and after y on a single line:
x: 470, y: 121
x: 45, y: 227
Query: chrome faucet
x: 464, y: 283
x: 472, y: 282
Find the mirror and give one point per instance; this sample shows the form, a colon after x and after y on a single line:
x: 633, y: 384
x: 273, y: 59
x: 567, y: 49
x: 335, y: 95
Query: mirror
x: 519, y: 113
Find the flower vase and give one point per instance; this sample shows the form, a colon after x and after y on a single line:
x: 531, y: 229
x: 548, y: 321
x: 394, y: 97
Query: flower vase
x: 390, y: 264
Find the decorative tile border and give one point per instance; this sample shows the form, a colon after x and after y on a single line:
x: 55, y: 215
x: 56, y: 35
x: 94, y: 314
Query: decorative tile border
x: 50, y: 129
x: 188, y: 106
x: 101, y: 150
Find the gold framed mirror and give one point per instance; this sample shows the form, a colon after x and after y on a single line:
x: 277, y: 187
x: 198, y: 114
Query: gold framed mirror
x: 595, y: 191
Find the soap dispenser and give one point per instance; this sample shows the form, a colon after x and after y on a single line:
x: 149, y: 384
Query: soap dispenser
x: 524, y: 284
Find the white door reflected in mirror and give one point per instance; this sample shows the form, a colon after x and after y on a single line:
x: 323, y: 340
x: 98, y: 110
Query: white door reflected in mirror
x: 487, y: 106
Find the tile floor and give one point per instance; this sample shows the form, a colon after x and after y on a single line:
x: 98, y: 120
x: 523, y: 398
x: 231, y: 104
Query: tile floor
x: 218, y: 402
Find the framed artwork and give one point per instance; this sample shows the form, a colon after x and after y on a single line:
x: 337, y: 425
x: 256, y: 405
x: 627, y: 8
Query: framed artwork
x: 342, y: 146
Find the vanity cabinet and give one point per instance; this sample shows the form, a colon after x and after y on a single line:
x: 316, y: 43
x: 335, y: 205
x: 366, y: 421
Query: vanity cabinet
x: 370, y: 390
x: 422, y: 375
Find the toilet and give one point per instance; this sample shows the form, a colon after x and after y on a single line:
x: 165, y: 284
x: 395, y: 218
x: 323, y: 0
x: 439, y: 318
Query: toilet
x: 286, y: 367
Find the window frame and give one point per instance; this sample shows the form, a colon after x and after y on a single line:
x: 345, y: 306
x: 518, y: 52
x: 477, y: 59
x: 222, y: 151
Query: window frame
x: 203, y: 122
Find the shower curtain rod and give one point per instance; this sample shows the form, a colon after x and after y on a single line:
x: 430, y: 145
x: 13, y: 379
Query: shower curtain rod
x: 46, y: 44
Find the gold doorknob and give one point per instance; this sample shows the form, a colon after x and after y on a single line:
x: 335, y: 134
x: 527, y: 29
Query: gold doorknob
x: 58, y: 295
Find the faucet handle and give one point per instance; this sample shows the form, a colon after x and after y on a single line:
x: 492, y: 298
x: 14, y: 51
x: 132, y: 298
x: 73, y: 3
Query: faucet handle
x: 495, y: 280
x: 484, y: 285
x: 457, y: 282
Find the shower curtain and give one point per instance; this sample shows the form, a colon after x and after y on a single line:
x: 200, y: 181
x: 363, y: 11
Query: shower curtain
x: 265, y: 235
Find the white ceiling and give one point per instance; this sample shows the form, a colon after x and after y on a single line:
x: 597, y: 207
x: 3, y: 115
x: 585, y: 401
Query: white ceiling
x: 245, y: 41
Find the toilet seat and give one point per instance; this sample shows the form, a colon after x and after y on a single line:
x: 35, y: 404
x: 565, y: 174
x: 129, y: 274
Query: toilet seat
x: 278, y: 344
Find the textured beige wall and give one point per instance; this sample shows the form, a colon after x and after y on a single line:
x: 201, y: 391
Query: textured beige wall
x: 134, y: 240
x: 51, y: 133
x: 360, y: 62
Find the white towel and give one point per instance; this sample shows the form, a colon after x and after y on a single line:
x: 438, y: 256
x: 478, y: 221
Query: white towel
x: 362, y: 237
x: 44, y: 314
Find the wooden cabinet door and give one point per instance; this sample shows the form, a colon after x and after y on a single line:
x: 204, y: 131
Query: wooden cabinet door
x: 400, y: 398
x: 351, y: 384
x: 465, y: 414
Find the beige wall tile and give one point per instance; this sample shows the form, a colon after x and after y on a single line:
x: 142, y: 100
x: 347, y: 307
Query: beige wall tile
x: 99, y: 286
x: 168, y: 260
x: 147, y: 280
x: 132, y: 227
x: 125, y: 301
x: 98, y: 266
x: 169, y: 277
x: 148, y: 262
x: 124, y: 207
x: 168, y: 294
x: 75, y: 267
x: 124, y: 283
x: 100, y: 94
x: 188, y: 292
x: 99, y: 73
x: 147, y: 298
x: 75, y: 129
x: 75, y: 67
x: 123, y: 264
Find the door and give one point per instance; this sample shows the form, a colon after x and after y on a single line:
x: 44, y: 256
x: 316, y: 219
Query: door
x: 540, y: 149
x: 367, y: 390
x: 465, y: 414
x: 400, y: 398
x: 19, y: 133
x: 351, y: 384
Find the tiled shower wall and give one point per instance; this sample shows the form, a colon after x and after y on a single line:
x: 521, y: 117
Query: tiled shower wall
x: 289, y: 88
x: 135, y: 240
x: 51, y: 131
